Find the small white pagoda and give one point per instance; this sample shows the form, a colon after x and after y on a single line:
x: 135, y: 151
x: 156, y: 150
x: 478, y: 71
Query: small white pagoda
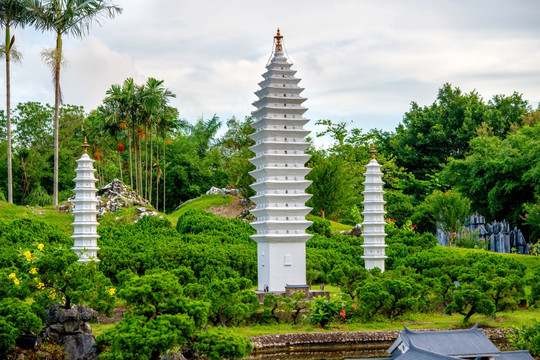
x: 85, y: 209
x: 373, y: 225
x: 280, y: 176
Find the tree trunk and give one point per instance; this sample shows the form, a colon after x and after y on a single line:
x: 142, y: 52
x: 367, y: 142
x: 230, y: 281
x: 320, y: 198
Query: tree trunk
x: 9, y: 44
x: 120, y: 167
x: 145, y: 164
x: 130, y: 161
x: 164, y: 188
x: 141, y: 189
x: 57, y: 100
x: 158, y: 176
x: 151, y: 165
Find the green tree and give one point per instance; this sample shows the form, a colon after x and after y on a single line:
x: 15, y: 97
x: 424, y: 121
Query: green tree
x: 222, y: 344
x: 431, y: 134
x: 13, y: 13
x: 71, y: 17
x: 16, y: 318
x: 235, y: 144
x: 450, y: 210
x: 499, y: 175
x: 527, y: 338
x: 231, y: 301
x: 471, y: 297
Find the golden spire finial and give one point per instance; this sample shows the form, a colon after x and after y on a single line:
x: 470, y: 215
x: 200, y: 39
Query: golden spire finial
x: 85, y: 145
x: 373, y: 151
x: 277, y: 39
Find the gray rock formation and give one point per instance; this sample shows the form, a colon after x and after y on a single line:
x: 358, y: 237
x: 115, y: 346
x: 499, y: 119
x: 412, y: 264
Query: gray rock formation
x: 224, y: 191
x: 70, y: 329
x: 499, y: 235
x: 114, y: 197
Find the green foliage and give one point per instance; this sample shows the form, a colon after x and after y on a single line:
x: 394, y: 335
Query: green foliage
x: 450, y: 210
x: 232, y: 302
x: 334, y: 187
x: 235, y: 145
x: 321, y: 227
x: 16, y: 318
x: 348, y: 277
x: 39, y: 197
x: 8, y: 334
x: 324, y: 310
x: 67, y: 281
x: 163, y: 319
x: 399, y: 206
x: 222, y: 344
x: 20, y: 315
x: 430, y: 134
x: 500, y: 175
x: 532, y: 219
x: 527, y: 338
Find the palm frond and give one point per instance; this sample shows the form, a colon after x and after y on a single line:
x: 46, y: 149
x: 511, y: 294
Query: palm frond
x: 51, y: 57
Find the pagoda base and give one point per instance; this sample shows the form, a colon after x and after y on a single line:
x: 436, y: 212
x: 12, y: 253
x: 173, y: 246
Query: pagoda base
x: 86, y: 254
x: 280, y: 264
x: 373, y: 262
x: 310, y: 295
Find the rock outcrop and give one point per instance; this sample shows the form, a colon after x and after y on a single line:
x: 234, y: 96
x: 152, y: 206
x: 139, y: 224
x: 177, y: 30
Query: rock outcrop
x: 114, y: 197
x: 70, y: 329
x: 224, y: 191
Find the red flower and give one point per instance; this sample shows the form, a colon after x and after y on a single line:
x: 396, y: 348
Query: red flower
x: 342, y: 313
x: 121, y: 147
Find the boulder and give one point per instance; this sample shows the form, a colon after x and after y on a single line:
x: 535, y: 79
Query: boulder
x: 114, y: 197
x: 70, y: 329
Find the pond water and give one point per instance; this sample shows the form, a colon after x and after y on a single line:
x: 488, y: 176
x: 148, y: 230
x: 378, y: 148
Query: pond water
x: 334, y: 352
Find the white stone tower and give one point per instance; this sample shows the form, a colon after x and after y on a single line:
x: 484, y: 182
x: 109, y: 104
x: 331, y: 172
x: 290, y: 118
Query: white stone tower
x: 85, y: 209
x: 279, y: 176
x: 374, y: 216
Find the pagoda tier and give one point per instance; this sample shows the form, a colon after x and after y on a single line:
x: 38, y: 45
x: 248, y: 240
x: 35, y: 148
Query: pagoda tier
x: 280, y: 176
x: 373, y: 225
x: 85, y: 210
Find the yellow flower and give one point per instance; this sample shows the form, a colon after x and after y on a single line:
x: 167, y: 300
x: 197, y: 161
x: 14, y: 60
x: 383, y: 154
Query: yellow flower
x: 52, y: 295
x: 40, y: 247
x: 28, y: 255
x: 40, y: 286
x: 112, y: 291
x: 12, y: 276
x: 33, y: 271
x: 16, y: 281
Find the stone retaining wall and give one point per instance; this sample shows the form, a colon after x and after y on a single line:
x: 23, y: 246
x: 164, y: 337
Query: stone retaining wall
x: 366, y: 338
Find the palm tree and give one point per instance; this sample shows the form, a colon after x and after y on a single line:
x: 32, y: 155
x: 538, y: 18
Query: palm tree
x: 66, y: 17
x: 12, y: 14
x: 154, y: 103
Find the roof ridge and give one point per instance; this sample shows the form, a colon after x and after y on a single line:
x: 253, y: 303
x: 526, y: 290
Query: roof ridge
x: 475, y: 328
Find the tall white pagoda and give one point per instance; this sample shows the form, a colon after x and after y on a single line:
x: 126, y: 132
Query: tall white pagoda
x: 374, y: 223
x: 85, y: 209
x: 280, y: 176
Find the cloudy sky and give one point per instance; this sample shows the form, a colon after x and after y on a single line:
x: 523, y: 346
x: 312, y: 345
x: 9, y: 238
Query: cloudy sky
x: 361, y: 61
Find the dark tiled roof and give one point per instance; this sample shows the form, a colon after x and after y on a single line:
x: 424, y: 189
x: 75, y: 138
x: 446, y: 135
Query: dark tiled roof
x: 415, y: 353
x: 451, y: 343
x: 515, y: 355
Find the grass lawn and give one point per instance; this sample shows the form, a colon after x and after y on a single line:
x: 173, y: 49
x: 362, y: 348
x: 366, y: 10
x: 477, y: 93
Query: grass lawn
x: 415, y: 321
x: 335, y: 227
x: 532, y: 262
x: 47, y: 214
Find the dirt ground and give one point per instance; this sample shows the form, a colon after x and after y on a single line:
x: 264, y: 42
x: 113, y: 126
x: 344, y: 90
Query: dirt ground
x: 229, y: 211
